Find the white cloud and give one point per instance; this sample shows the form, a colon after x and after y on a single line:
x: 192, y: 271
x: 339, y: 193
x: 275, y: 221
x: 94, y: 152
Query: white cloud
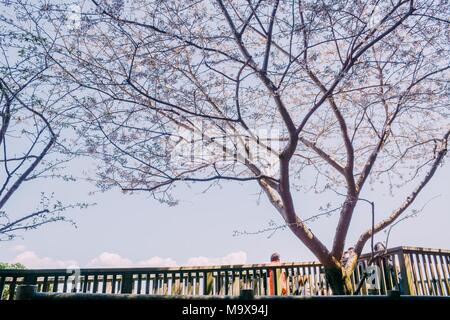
x: 31, y: 260
x: 239, y: 257
x: 110, y: 260
x: 157, y: 262
x: 113, y: 260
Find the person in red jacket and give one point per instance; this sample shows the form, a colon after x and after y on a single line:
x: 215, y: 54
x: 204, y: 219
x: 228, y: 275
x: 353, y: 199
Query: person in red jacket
x: 280, y: 276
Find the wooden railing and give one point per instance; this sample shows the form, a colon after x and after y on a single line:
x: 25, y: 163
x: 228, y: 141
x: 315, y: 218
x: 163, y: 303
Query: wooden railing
x: 413, y: 271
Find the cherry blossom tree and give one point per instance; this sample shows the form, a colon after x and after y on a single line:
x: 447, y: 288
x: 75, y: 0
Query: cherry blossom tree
x: 351, y: 93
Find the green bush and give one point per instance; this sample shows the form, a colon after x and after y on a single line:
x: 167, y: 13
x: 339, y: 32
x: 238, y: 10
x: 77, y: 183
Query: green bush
x: 5, y: 265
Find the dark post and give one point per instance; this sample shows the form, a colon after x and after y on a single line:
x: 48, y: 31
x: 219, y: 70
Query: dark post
x: 246, y: 294
x: 127, y: 283
x: 25, y: 292
x: 30, y: 279
x: 393, y: 293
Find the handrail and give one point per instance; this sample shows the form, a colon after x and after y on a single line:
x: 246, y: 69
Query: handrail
x: 167, y: 269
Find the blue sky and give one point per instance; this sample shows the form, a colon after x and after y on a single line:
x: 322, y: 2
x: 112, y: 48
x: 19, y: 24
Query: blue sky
x: 136, y: 230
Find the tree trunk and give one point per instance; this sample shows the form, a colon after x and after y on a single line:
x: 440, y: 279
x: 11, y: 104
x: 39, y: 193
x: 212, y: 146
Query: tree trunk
x: 339, y: 282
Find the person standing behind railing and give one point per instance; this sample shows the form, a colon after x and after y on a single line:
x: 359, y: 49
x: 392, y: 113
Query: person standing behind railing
x: 280, y: 276
x: 391, y: 275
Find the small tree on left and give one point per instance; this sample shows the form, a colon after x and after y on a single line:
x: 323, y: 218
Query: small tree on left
x: 31, y: 105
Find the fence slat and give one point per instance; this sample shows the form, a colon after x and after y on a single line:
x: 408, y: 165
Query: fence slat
x: 433, y: 273
x: 113, y: 284
x: 2, y: 286
x: 419, y: 268
x: 12, y: 288
x: 405, y: 269
x: 446, y: 273
x: 439, y: 275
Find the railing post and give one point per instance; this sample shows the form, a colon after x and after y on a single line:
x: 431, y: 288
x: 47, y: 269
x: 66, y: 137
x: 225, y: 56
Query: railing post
x: 246, y: 294
x: 275, y: 281
x: 208, y: 281
x: 407, y: 282
x: 25, y: 292
x: 127, y: 283
x: 30, y: 279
